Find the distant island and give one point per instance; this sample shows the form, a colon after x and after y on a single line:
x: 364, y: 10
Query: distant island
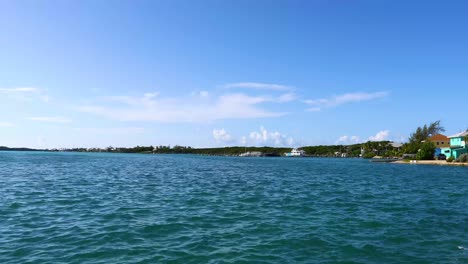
x: 426, y: 143
x: 3, y: 148
x: 383, y: 148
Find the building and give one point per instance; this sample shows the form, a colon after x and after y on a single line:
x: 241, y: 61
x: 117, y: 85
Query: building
x: 458, y: 146
x: 396, y: 146
x: 440, y: 141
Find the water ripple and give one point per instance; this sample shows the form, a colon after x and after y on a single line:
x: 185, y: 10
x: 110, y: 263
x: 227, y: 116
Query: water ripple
x: 104, y: 208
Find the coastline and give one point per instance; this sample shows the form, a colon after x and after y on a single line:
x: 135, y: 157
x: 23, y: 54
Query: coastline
x: 431, y: 162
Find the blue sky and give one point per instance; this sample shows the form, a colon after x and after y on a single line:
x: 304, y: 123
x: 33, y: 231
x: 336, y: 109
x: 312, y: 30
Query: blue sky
x: 218, y: 73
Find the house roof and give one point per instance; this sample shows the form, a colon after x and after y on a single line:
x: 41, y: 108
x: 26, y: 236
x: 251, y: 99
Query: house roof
x: 462, y: 134
x: 439, y: 137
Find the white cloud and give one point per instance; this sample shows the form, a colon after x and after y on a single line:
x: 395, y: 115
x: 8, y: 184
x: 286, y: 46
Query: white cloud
x: 221, y: 136
x: 260, y: 86
x: 347, y: 140
x: 334, y: 101
x: 50, y: 119
x: 25, y: 93
x: 179, y: 110
x: 380, y: 136
x: 263, y: 137
x: 6, y: 124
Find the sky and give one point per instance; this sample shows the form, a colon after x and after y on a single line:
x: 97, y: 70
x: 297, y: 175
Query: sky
x: 224, y: 73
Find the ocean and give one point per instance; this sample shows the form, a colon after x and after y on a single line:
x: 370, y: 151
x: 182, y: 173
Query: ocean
x: 135, y: 208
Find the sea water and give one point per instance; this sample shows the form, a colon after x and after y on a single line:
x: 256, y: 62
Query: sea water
x: 133, y: 208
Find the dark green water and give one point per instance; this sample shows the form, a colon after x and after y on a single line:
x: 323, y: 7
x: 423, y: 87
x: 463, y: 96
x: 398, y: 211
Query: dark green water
x: 117, y: 208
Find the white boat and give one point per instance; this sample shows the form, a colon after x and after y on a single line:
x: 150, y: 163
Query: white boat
x: 295, y: 153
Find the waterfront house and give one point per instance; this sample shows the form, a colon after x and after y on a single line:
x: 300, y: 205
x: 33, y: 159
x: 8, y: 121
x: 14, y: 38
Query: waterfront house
x: 440, y: 141
x: 396, y: 146
x: 458, y: 145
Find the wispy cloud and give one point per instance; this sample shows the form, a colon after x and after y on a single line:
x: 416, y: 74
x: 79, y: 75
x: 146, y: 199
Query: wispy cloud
x: 259, y: 86
x: 179, y: 110
x: 25, y: 93
x: 334, y: 101
x: 6, y: 124
x: 50, y: 119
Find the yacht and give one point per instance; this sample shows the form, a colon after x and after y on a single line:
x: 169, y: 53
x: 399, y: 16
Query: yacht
x: 295, y: 153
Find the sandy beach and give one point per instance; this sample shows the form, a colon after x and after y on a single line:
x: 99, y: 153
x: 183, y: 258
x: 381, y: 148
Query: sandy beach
x: 432, y: 162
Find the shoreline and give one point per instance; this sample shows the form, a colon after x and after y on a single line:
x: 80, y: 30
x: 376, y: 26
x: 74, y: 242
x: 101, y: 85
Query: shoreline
x: 431, y: 162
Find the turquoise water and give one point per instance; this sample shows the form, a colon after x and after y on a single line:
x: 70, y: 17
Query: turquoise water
x: 119, y: 208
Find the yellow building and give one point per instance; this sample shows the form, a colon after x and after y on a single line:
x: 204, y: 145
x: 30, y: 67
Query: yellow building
x: 440, y: 141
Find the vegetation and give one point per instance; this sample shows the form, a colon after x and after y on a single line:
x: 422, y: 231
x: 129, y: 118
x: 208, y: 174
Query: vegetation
x: 371, y: 149
x: 137, y: 149
x: 2, y: 148
x: 462, y: 158
x: 422, y: 134
x: 329, y: 151
x: 426, y: 152
x: 451, y: 159
x: 378, y: 148
x: 369, y: 155
x: 227, y: 151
